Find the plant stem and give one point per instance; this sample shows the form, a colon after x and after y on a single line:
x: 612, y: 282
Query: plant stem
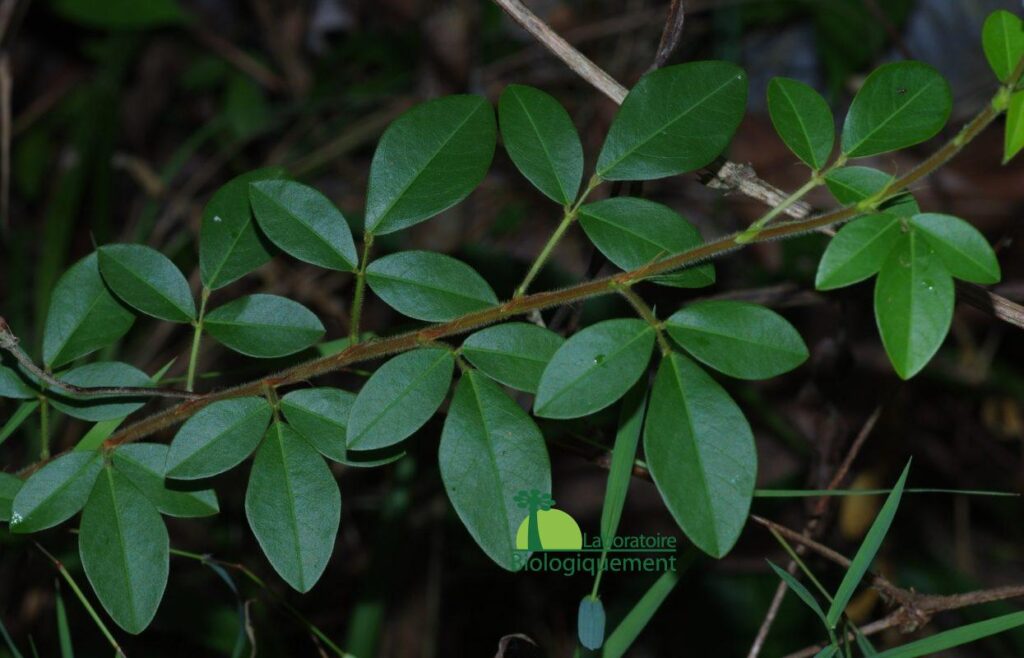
x: 373, y: 349
x: 197, y: 335
x: 44, y: 427
x: 360, y: 291
x: 647, y: 314
x: 568, y: 217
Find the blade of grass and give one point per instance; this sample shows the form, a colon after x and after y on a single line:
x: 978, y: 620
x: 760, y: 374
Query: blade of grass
x: 955, y: 637
x: 630, y: 627
x: 866, y: 648
x: 63, y: 628
x: 798, y: 588
x: 10, y: 643
x: 866, y: 553
x: 817, y: 493
x: 20, y: 415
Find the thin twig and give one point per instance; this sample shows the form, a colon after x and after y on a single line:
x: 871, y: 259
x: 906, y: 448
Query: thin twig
x: 671, y: 34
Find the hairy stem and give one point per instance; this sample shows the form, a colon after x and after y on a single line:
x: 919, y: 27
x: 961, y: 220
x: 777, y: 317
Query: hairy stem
x: 646, y: 313
x: 360, y: 291
x: 197, y: 335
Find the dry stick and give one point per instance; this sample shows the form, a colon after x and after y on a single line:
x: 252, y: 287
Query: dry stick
x: 238, y: 58
x: 670, y: 35
x: 811, y: 529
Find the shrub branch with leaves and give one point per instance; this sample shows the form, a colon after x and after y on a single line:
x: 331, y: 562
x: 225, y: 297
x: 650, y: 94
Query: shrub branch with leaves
x: 493, y: 459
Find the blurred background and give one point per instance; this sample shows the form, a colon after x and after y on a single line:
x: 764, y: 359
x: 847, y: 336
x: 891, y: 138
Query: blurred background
x: 121, y: 117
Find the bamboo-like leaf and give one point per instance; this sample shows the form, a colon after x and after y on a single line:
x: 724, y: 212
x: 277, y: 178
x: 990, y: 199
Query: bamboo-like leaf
x: 620, y: 472
x: 802, y: 592
x: 956, y: 637
x: 622, y: 638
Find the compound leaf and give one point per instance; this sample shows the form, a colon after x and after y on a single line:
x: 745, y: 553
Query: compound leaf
x: 490, y: 451
x: 399, y: 398
x: 428, y: 160
x: 125, y: 551
x: 594, y: 368
x: 742, y: 340
x: 429, y: 286
x: 217, y: 438
x: 676, y: 119
x: 54, y: 493
x: 264, y: 326
x: 803, y: 120
x: 303, y: 223
x: 900, y: 104
x: 514, y: 353
x: 83, y: 315
x: 293, y: 506
x: 148, y: 281
x: 701, y: 454
x: 542, y: 141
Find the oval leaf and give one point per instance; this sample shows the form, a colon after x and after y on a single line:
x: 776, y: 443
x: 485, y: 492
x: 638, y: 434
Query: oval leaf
x: 230, y: 246
x: 701, y: 454
x: 490, y: 451
x: 594, y: 368
x: 857, y: 251
x: 1002, y: 38
x: 217, y: 438
x: 55, y: 492
x: 83, y: 315
x: 293, y: 506
x: 803, y: 120
x: 633, y: 232
x: 514, y: 353
x: 113, y: 373
x: 1014, y: 140
x: 742, y: 340
x: 145, y: 465
x: 913, y: 304
x: 429, y: 286
x: 542, y: 141
x: 125, y: 551
x: 399, y: 398
x: 264, y: 326
x: 962, y: 248
x: 590, y: 623
x: 10, y: 485
x: 428, y: 160
x: 676, y: 119
x: 850, y: 185
x: 14, y: 386
x: 148, y: 281
x: 900, y: 104
x: 303, y: 223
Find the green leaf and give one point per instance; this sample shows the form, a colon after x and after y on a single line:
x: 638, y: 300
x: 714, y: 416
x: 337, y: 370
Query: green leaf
x: 676, y: 119
x: 913, y: 304
x: 399, y: 398
x: 83, y: 315
x: 10, y: 485
x: 429, y: 286
x: 120, y: 14
x: 858, y: 251
x: 850, y: 185
x: 590, y: 621
x: 866, y: 553
x: 803, y: 120
x: 514, y: 353
x: 1002, y: 38
x: 293, y: 506
x: 827, y: 652
x: 125, y: 551
x: 217, y: 438
x: 1014, y: 140
x: 55, y: 493
x: 740, y: 339
x: 428, y: 160
x: 20, y: 415
x: 799, y: 589
x: 148, y: 281
x: 145, y: 465
x: 634, y: 232
x: 633, y: 624
x: 542, y: 141
x: 962, y: 248
x: 594, y: 368
x: 303, y: 223
x: 490, y: 451
x: 701, y: 454
x: 899, y: 105
x: 230, y: 246
x: 620, y: 472
x: 955, y: 637
x: 14, y: 386
x: 320, y: 415
x: 112, y: 373
x: 264, y: 326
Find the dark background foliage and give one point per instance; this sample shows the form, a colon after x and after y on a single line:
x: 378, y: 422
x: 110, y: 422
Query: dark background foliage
x: 122, y: 134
